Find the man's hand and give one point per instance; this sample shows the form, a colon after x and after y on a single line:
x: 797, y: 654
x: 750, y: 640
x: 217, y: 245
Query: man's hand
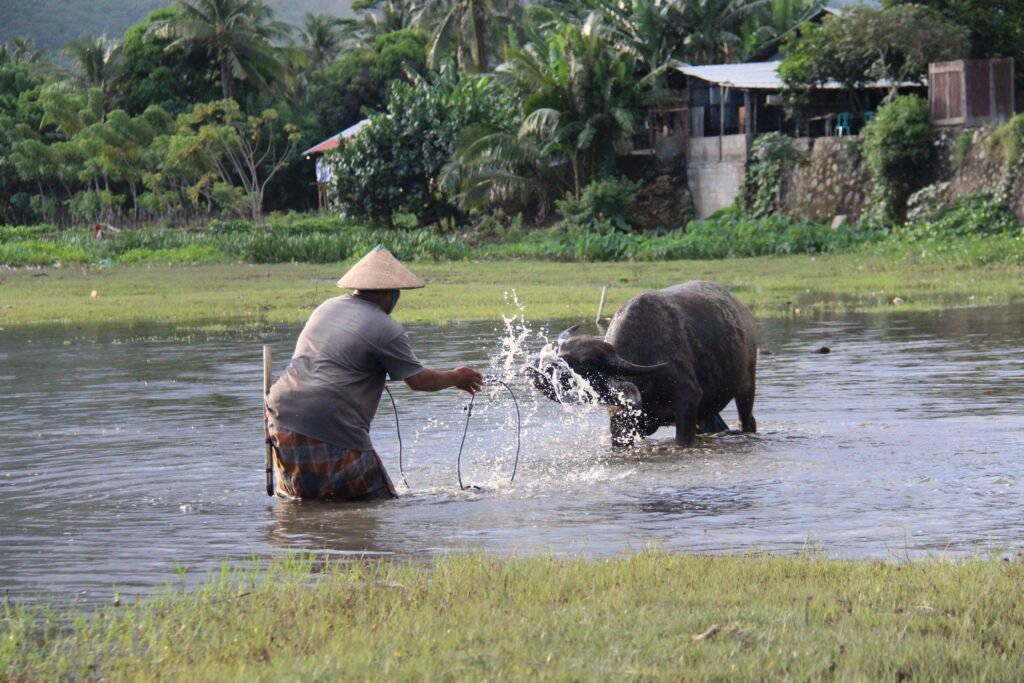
x: 468, y: 379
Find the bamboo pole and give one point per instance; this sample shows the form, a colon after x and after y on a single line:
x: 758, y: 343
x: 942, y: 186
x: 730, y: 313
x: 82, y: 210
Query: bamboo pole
x: 600, y: 306
x: 268, y: 378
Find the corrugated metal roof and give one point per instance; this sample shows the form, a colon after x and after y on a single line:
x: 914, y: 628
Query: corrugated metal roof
x: 758, y: 76
x: 753, y: 76
x: 333, y: 141
x: 353, y: 129
x: 328, y: 144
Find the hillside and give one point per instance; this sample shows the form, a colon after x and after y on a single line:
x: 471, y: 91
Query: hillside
x: 52, y: 23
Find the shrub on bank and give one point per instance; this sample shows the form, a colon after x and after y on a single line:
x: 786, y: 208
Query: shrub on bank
x: 38, y: 252
x: 324, y: 239
x: 977, y: 229
x: 726, y: 234
x: 898, y: 147
x: 973, y: 214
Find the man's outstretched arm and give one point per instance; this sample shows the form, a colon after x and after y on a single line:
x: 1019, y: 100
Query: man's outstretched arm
x: 429, y: 379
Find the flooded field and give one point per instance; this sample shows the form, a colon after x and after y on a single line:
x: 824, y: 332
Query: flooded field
x: 132, y: 456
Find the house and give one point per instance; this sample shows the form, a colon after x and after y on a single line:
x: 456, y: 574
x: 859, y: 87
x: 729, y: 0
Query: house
x: 730, y: 104
x: 718, y: 109
x: 323, y: 170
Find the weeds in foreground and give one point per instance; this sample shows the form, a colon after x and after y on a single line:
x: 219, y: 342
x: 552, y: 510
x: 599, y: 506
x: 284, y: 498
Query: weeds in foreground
x: 471, y: 617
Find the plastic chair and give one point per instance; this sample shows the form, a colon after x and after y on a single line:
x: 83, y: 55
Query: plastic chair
x: 869, y: 116
x: 844, y: 123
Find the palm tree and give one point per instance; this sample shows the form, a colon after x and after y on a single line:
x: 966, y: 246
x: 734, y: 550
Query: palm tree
x: 97, y: 61
x: 580, y: 95
x: 321, y: 35
x: 773, y: 21
x: 652, y: 31
x: 492, y: 165
x: 380, y: 17
x: 713, y: 28
x: 468, y: 27
x: 238, y: 34
x: 20, y: 50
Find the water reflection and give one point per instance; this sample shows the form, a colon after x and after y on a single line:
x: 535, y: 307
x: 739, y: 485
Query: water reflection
x: 128, y: 450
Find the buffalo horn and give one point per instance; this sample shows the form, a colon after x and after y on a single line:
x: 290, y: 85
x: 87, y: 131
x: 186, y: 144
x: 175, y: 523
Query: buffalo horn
x: 567, y: 333
x: 621, y: 366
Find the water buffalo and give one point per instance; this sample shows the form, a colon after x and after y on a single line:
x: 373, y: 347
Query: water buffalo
x: 672, y: 356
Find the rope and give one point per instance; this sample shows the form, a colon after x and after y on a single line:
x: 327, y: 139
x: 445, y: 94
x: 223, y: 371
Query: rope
x: 519, y: 429
x: 398, y: 430
x: 465, y: 430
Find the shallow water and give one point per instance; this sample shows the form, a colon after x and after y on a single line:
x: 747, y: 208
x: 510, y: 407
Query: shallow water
x: 131, y: 452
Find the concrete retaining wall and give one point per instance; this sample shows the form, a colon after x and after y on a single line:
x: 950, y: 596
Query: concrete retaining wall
x: 715, y: 183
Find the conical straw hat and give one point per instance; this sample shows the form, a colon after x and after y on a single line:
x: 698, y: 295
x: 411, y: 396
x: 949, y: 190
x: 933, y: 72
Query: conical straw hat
x: 379, y: 270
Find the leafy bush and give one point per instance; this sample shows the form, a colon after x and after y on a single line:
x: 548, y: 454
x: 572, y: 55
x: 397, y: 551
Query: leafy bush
x: 391, y: 166
x: 1008, y: 140
x: 897, y: 147
x: 602, y: 206
x: 974, y: 214
x: 16, y: 232
x: 36, y: 252
x: 726, y: 234
x: 729, y: 233
x: 770, y: 157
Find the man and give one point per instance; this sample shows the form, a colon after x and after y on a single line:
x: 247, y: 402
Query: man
x: 319, y: 411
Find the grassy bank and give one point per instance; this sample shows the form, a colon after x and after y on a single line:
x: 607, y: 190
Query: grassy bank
x: 320, y: 238
x: 286, y: 293
x: 475, y: 618
x: 977, y: 232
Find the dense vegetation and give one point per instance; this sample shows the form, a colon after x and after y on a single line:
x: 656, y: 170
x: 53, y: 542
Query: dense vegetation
x: 492, y: 116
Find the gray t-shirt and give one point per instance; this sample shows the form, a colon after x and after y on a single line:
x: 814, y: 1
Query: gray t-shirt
x: 333, y: 385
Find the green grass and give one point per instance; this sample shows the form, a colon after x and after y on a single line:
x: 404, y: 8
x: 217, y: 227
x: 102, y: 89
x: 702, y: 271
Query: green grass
x: 470, y: 617
x: 317, y: 238
x: 466, y: 290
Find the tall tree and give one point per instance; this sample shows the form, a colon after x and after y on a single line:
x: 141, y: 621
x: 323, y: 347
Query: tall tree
x: 770, y: 22
x: 242, y: 151
x: 650, y: 30
x: 712, y: 28
x: 153, y: 75
x: 321, y: 36
x: 361, y: 79
x: 995, y: 28
x: 97, y: 61
x: 238, y: 34
x: 580, y: 94
x: 865, y: 44
x: 471, y: 29
x: 379, y: 18
x: 20, y: 50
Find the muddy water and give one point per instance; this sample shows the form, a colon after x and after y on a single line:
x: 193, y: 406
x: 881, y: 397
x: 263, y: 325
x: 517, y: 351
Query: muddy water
x: 129, y: 453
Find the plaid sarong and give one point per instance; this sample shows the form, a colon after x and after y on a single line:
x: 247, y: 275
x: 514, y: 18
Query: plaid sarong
x: 305, y: 467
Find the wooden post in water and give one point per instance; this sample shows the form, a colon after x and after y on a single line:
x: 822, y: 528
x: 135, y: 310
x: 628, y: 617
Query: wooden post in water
x: 600, y: 306
x: 268, y: 379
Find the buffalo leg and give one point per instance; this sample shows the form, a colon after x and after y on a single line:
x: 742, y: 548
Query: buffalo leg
x: 624, y: 429
x: 686, y: 425
x: 713, y: 425
x: 745, y: 407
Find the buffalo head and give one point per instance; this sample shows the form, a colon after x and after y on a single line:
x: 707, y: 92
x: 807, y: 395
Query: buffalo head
x: 585, y: 369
